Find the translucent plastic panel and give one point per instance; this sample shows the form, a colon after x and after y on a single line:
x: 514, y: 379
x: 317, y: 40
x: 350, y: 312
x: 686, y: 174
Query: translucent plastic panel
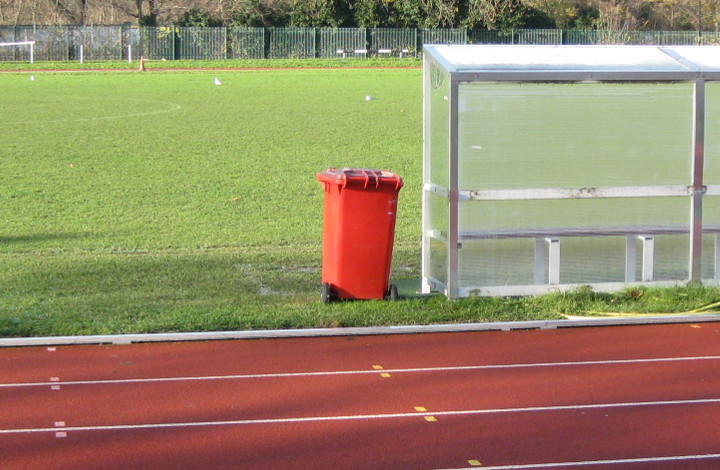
x: 438, y: 267
x: 586, y: 260
x: 544, y: 135
x: 437, y: 214
x: 437, y: 222
x: 711, y: 221
x: 712, y: 134
x: 498, y: 239
x: 564, y: 214
x: 708, y: 259
x: 672, y: 257
x: 711, y: 210
x: 437, y: 125
x: 506, y: 262
x: 592, y: 259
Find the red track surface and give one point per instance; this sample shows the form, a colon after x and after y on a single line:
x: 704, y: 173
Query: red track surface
x: 642, y: 397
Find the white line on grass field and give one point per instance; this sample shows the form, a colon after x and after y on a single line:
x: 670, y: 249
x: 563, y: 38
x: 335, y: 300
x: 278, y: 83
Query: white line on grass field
x: 588, y: 463
x: 314, y: 419
x: 171, y: 107
x: 364, y: 372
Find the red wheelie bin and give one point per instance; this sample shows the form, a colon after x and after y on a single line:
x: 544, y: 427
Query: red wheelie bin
x: 358, y: 233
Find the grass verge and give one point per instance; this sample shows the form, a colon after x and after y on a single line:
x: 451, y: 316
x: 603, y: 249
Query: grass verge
x: 156, y: 202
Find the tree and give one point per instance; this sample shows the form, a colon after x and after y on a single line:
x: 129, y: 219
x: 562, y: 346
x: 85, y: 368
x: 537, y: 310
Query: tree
x: 261, y: 13
x: 318, y: 13
x: 566, y: 14
x: 374, y: 13
x: 427, y: 13
x: 72, y: 11
x: 493, y: 14
x: 198, y: 17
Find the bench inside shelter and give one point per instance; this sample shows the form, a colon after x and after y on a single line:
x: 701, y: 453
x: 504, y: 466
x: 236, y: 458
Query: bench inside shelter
x: 548, y: 246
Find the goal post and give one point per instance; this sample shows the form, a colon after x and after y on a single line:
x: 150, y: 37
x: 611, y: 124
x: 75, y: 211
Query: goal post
x: 29, y: 44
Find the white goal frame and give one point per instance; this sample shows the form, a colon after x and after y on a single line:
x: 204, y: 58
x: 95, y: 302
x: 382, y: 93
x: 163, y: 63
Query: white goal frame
x: 23, y: 43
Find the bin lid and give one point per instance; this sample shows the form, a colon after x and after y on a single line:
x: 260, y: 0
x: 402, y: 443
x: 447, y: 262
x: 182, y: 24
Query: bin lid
x: 363, y: 176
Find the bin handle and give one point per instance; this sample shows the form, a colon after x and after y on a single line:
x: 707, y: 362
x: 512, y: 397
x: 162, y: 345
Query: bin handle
x: 370, y: 175
x: 367, y: 179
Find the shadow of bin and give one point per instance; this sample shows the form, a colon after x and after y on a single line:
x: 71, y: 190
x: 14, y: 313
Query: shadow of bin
x: 358, y: 232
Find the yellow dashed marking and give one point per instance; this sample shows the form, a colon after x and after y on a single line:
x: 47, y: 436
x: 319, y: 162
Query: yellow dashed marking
x: 385, y: 374
x: 695, y: 326
x: 422, y: 409
x: 474, y: 463
x: 378, y: 367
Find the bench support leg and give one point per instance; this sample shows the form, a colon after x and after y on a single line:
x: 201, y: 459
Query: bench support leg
x: 717, y: 256
x: 648, y: 260
x: 630, y: 258
x: 547, y: 260
x: 540, y: 261
x: 553, y: 260
x: 648, y: 257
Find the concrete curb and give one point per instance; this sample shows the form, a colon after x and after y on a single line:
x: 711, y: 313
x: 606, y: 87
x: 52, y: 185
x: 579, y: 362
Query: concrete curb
x: 572, y: 322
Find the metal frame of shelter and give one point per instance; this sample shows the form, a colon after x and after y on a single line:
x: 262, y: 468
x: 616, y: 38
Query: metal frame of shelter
x: 450, y: 66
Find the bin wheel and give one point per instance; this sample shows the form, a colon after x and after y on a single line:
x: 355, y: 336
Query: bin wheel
x: 326, y: 295
x: 392, y: 293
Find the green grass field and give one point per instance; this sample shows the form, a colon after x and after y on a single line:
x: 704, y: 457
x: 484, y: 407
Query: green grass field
x: 157, y: 201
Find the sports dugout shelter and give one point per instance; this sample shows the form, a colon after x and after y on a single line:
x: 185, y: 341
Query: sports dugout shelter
x: 551, y: 167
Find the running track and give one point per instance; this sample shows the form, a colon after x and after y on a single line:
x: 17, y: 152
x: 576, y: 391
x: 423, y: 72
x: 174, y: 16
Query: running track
x: 609, y: 398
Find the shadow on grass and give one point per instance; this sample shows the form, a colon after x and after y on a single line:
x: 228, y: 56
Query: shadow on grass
x: 232, y: 289
x: 93, y: 293
x: 40, y: 238
x: 103, y: 293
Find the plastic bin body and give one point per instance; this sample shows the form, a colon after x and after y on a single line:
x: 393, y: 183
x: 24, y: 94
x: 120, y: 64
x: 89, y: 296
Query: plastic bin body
x: 358, y: 231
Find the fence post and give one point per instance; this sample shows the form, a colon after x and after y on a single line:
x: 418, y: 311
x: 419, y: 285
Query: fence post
x: 68, y: 42
x: 316, y: 43
x: 226, y: 43
x: 266, y: 43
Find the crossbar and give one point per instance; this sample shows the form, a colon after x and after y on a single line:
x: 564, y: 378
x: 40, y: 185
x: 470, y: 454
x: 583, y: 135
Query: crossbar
x: 23, y: 43
x: 19, y: 43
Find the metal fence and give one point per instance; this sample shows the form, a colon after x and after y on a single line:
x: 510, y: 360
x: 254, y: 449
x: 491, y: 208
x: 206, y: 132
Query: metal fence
x: 174, y: 42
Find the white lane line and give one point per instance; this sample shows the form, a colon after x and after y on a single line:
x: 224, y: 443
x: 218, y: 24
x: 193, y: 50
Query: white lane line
x: 368, y: 371
x: 587, y: 463
x: 309, y: 419
x: 171, y: 107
